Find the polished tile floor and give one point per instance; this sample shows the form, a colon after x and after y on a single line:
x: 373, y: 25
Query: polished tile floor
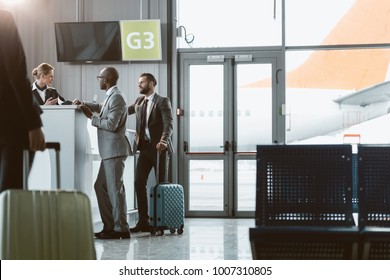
x: 203, y: 239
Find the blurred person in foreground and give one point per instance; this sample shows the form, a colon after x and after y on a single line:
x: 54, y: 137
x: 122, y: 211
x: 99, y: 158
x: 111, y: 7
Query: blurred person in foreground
x: 21, y: 126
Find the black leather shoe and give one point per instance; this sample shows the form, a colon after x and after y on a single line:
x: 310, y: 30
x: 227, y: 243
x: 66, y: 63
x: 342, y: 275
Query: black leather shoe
x: 100, y: 232
x: 114, y: 235
x: 141, y: 227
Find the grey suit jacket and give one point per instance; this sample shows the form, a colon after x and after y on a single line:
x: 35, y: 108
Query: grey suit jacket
x: 111, y: 125
x: 160, y: 120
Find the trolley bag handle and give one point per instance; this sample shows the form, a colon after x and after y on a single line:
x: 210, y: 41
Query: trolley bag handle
x: 157, y: 171
x: 26, y: 168
x: 26, y: 163
x: 53, y: 145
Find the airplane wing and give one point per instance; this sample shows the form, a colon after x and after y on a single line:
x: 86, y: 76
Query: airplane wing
x: 375, y: 94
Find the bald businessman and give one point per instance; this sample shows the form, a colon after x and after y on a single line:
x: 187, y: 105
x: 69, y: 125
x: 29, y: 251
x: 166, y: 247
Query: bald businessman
x: 110, y: 120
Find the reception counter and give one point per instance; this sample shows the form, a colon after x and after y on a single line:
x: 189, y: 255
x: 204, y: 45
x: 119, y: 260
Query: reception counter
x: 68, y: 126
x: 79, y: 156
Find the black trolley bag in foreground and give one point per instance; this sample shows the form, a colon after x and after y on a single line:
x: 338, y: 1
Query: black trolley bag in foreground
x: 166, y: 209
x: 45, y: 224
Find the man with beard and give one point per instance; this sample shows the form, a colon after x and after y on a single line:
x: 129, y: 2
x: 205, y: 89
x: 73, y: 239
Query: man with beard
x: 154, y: 126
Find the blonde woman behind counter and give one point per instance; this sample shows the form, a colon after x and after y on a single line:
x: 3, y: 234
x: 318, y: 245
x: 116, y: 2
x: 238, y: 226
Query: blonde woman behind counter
x: 43, y: 92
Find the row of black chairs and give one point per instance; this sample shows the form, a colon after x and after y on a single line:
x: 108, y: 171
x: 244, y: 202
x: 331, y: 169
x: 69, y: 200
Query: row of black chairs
x: 319, y: 243
x: 306, y: 202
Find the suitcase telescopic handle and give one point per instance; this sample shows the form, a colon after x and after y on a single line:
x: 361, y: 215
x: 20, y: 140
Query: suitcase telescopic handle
x: 157, y: 171
x: 26, y: 163
x: 56, y: 146
x: 53, y: 145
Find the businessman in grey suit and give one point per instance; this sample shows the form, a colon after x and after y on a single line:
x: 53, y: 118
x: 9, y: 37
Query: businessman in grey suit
x: 153, y: 135
x: 110, y: 119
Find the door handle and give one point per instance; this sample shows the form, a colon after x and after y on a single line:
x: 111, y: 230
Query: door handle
x: 227, y: 146
x: 277, y: 75
x: 234, y: 146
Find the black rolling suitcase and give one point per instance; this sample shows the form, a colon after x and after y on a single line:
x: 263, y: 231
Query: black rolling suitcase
x: 166, y: 210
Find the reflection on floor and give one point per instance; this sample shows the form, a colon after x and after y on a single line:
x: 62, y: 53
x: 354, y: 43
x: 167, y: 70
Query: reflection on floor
x: 203, y: 239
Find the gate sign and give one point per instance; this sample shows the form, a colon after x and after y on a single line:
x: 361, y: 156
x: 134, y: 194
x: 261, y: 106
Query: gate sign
x: 141, y: 39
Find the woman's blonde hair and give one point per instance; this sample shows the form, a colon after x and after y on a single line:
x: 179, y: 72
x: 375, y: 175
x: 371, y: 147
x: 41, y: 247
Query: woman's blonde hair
x: 42, y: 69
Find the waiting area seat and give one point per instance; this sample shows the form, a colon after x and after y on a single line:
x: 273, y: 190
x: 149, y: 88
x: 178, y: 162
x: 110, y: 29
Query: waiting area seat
x: 375, y: 243
x: 304, y: 185
x: 374, y: 185
x: 304, y: 243
x: 319, y: 243
x: 305, y: 202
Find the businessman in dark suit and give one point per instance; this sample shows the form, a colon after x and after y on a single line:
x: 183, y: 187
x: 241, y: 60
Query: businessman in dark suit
x: 21, y: 122
x: 153, y: 135
x: 110, y: 121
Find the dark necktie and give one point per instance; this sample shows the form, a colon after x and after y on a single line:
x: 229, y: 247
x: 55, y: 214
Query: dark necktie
x: 143, y: 120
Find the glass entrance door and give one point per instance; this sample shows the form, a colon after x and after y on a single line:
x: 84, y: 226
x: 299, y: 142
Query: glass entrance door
x: 228, y: 107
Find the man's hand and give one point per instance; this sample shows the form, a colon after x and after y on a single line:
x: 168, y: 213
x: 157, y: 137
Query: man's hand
x: 87, y: 112
x: 161, y: 146
x: 77, y: 102
x: 37, y: 140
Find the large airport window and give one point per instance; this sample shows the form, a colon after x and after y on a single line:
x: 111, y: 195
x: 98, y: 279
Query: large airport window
x: 335, y: 22
x: 229, y: 23
x: 331, y: 94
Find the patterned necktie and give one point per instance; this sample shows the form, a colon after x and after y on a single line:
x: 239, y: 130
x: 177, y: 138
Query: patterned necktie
x: 143, y: 120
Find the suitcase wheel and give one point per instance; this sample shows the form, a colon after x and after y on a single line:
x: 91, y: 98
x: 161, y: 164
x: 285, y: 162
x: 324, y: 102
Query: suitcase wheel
x: 160, y: 230
x: 156, y: 230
